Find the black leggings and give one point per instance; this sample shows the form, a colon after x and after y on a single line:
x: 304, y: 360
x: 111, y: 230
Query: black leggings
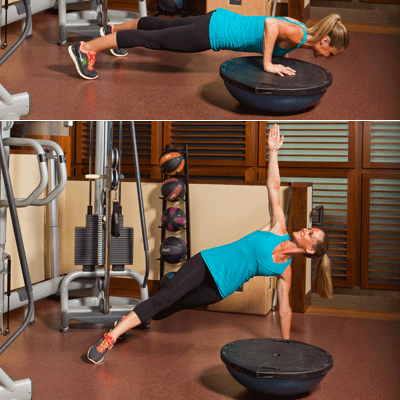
x: 184, y: 35
x: 192, y: 286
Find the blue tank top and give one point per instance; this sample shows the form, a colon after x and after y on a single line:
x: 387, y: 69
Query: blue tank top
x: 234, y: 264
x: 231, y: 31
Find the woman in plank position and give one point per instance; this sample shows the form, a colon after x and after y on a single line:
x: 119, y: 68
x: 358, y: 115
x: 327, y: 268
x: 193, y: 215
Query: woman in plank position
x: 214, y: 274
x: 218, y: 30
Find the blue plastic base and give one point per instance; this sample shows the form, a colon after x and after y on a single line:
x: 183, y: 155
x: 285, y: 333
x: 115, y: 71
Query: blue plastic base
x: 277, y: 387
x: 274, y: 103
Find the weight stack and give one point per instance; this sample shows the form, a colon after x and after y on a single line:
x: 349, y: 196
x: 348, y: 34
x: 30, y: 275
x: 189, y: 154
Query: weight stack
x: 122, y: 247
x: 90, y: 243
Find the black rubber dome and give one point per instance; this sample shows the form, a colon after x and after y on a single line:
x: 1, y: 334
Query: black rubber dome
x: 247, y: 81
x: 283, y: 359
x: 273, y: 366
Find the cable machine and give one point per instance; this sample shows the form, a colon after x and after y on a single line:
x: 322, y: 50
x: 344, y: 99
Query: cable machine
x: 104, y: 246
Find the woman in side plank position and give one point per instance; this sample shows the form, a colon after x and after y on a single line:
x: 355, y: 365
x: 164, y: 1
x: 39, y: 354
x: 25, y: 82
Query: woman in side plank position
x: 218, y: 30
x: 214, y: 274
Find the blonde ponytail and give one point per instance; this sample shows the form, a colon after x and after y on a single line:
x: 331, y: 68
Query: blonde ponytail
x: 322, y: 283
x: 332, y: 27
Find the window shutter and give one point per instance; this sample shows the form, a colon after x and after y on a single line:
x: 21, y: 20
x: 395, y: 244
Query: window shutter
x: 381, y: 232
x: 143, y: 139
x: 217, y: 150
x: 312, y: 144
x: 381, y: 144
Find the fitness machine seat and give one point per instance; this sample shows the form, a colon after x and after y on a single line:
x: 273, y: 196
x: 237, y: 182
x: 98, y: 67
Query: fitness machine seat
x: 246, y: 81
x: 276, y: 367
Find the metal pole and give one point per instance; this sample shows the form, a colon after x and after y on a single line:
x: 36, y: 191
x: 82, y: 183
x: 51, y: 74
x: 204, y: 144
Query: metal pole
x: 108, y: 254
x: 53, y: 219
x: 187, y: 203
x: 274, y: 8
x: 100, y: 163
x: 108, y: 216
x: 90, y: 208
x: 3, y: 227
x: 140, y: 200
x: 104, y: 10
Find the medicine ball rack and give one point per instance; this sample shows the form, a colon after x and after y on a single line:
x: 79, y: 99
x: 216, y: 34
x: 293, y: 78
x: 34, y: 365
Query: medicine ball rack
x: 184, y: 176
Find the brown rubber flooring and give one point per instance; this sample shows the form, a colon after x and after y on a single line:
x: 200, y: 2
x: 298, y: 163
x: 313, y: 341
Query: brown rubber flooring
x: 155, y: 85
x: 179, y: 358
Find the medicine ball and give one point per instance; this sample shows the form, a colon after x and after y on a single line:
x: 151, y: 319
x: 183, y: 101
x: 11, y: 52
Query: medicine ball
x: 172, y: 162
x: 173, y: 189
x: 173, y: 219
x: 166, y: 278
x: 171, y: 6
x: 173, y: 250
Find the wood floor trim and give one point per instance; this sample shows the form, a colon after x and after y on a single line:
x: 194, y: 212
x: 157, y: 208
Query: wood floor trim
x: 351, y: 313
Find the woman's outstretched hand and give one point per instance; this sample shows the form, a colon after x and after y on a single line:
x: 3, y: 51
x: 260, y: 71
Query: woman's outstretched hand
x: 279, y: 69
x: 275, y: 140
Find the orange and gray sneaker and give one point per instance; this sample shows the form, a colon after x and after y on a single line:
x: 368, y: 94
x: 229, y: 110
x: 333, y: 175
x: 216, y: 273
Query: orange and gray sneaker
x: 84, y: 62
x: 98, y: 351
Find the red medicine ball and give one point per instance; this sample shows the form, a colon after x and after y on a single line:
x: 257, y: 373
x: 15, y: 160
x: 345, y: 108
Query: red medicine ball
x: 173, y: 189
x: 172, y: 162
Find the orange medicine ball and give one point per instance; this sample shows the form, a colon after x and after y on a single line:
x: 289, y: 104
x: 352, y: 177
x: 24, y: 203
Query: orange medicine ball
x: 172, y: 162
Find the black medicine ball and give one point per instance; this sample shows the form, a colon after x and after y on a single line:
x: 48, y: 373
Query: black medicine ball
x: 173, y: 250
x: 171, y: 6
x: 173, y: 189
x: 173, y: 219
x: 172, y: 162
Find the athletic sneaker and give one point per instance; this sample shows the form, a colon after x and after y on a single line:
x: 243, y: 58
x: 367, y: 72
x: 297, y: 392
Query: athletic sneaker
x: 98, y: 351
x: 84, y: 62
x: 115, y: 52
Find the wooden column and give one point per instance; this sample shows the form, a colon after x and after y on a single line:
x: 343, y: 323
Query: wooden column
x: 299, y: 218
x: 298, y: 10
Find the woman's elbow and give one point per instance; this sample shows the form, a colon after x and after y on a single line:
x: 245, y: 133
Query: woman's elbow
x: 274, y: 186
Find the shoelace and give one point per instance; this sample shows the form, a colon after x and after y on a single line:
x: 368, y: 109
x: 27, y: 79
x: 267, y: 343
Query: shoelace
x: 107, y: 343
x: 91, y: 60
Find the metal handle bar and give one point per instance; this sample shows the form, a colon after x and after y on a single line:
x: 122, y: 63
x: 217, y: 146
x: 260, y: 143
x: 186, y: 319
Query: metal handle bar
x: 61, y: 173
x: 27, y: 28
x: 44, y: 176
x: 20, y: 247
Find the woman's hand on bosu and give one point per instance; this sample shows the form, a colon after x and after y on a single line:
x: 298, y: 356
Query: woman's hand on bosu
x: 279, y: 69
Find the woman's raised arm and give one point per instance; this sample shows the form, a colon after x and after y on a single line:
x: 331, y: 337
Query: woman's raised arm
x: 275, y: 141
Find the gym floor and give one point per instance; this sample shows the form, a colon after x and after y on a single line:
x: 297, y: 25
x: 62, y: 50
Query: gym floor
x: 179, y: 358
x: 151, y: 85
